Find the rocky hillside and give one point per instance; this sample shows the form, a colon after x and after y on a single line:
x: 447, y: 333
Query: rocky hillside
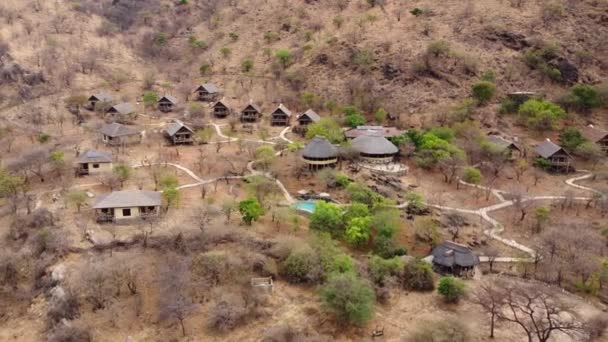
x: 408, y: 56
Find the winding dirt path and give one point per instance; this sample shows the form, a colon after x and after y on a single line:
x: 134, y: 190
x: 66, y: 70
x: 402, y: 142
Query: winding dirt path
x: 496, y: 228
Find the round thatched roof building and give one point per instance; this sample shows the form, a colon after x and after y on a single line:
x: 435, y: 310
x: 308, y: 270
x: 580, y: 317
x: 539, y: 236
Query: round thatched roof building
x: 374, y: 148
x: 319, y: 153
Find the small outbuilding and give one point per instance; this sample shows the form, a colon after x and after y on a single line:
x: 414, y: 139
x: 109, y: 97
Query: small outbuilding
x: 93, y: 162
x: 124, y: 109
x: 116, y: 134
x: 178, y: 133
x: 101, y: 97
x: 251, y: 112
x: 555, y: 156
x: 127, y: 205
x: 597, y: 136
x: 374, y: 149
x: 221, y: 109
x: 387, y: 132
x: 207, y: 92
x: 167, y: 103
x: 280, y: 116
x: 505, y: 146
x: 319, y: 153
x: 453, y: 258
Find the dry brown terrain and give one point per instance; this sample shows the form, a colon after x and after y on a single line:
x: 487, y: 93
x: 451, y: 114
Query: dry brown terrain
x: 370, y: 54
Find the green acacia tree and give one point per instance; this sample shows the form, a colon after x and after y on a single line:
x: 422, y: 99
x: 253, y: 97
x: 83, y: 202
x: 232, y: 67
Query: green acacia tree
x: 328, y: 128
x: 172, y: 196
x: 123, y: 173
x: 570, y: 138
x: 265, y: 156
x: 472, y: 175
x: 251, y: 210
x: 451, y: 289
x: 358, y: 230
x: 540, y: 114
x: 542, y: 216
x: 327, y: 217
x: 350, y: 298
x: 247, y: 65
x: 150, y: 99
x: 78, y: 198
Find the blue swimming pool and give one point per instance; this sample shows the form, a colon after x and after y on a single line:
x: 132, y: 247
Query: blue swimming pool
x: 307, y: 206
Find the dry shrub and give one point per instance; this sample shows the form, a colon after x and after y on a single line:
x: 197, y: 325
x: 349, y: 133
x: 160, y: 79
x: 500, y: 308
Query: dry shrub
x: 217, y: 267
x: 283, y: 247
x: 596, y: 327
x: 216, y: 234
x: 448, y: 329
x: 228, y: 312
x: 62, y: 305
x: 68, y: 333
x: 264, y: 266
x: 286, y: 333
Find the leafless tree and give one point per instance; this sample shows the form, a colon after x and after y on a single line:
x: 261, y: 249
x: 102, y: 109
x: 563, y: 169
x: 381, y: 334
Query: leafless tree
x: 490, y: 297
x: 536, y: 312
x: 204, y: 215
x: 491, y: 253
x: 175, y: 303
x: 449, y: 168
x: 520, y: 203
x: 95, y: 285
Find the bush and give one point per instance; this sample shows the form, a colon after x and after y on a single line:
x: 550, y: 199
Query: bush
x: 438, y: 48
x: 284, y: 57
x: 540, y: 114
x: 64, y: 307
x: 349, y: 297
x: 358, y: 230
x: 251, y: 210
x: 69, y: 333
x: 247, y: 65
x: 363, y: 59
x: 442, y: 330
x: 328, y: 128
x: 204, y: 69
x: 380, y: 115
x: 418, y: 276
x: 302, y: 265
x: 380, y: 269
x: 150, y: 98
x: 229, y: 311
x: 483, y: 91
x: 508, y: 106
x: 472, y: 175
x: 386, y: 247
x: 582, y: 98
x: 271, y: 37
x: 570, y: 138
x: 590, y: 151
x: 226, y: 51
x: 216, y: 267
x: 416, y: 12
x: 327, y: 218
x: 354, y: 120
x: 355, y: 210
x: 451, y: 289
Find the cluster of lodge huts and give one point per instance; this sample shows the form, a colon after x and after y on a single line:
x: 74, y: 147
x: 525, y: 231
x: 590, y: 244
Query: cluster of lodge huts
x: 370, y: 142
x: 219, y: 108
